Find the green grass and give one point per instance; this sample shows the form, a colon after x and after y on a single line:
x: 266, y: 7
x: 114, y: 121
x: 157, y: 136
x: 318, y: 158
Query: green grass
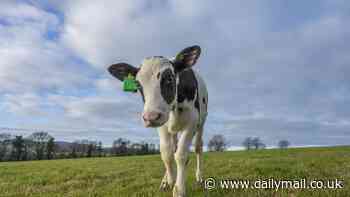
x: 141, y: 175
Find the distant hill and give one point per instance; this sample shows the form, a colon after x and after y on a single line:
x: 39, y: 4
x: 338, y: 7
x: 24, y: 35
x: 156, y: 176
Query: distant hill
x: 63, y: 145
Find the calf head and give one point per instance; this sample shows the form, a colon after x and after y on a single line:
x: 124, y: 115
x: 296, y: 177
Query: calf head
x: 156, y: 79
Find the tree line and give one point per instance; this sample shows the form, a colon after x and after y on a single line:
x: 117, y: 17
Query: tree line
x: 255, y: 143
x: 219, y: 143
x: 41, y: 145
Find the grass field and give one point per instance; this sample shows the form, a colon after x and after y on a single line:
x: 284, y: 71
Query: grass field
x: 141, y: 175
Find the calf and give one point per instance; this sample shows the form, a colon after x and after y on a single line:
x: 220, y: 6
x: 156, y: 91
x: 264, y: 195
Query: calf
x: 175, y: 101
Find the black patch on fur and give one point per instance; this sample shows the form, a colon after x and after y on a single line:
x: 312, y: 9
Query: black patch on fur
x: 142, y: 95
x: 196, y: 103
x: 122, y: 70
x: 140, y: 89
x: 187, y: 86
x: 204, y: 101
x: 186, y: 58
x: 167, y: 85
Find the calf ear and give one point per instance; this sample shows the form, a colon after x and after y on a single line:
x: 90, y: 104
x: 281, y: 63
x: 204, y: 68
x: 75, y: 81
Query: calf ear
x: 187, y: 58
x: 122, y: 70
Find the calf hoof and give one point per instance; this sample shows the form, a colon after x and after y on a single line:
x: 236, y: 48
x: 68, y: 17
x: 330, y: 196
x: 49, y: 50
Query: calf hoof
x: 177, y: 193
x: 200, y: 182
x: 164, y: 186
x: 199, y: 179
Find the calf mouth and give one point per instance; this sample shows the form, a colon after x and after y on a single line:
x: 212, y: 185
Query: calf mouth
x: 149, y: 124
x: 154, y: 124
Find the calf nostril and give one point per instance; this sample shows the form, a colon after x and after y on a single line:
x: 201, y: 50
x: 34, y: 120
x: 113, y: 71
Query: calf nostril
x: 151, y: 116
x: 158, y: 116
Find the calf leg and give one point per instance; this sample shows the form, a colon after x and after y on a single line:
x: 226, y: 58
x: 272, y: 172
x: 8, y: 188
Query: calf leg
x: 181, y: 157
x: 167, y: 148
x: 199, y: 151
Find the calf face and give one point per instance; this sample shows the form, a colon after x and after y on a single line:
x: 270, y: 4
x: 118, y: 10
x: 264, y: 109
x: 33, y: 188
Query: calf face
x: 157, y: 82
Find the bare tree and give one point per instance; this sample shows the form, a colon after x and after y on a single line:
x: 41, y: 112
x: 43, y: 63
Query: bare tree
x: 18, y: 146
x: 91, y: 148
x: 73, y: 148
x: 120, y: 146
x: 257, y: 143
x: 99, y: 149
x: 217, y: 143
x: 50, y: 150
x: 283, y: 144
x: 27, y: 147
x: 247, y: 143
x: 40, y: 140
x: 5, y: 140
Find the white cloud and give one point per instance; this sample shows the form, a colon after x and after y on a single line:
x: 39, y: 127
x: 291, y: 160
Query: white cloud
x: 30, y: 61
x: 262, y: 79
x: 26, y: 104
x: 132, y: 30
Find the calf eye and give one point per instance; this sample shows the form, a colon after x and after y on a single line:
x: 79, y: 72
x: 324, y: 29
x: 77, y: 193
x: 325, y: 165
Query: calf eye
x: 167, y: 86
x: 169, y: 80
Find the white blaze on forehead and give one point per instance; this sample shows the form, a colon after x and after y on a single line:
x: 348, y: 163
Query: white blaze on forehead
x: 155, y: 64
x: 152, y: 66
x: 147, y: 76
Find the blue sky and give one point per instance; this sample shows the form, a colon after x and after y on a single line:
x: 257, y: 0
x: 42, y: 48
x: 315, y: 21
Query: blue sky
x: 274, y: 69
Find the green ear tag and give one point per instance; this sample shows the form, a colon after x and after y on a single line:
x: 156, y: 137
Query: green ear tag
x: 129, y: 84
x: 179, y: 57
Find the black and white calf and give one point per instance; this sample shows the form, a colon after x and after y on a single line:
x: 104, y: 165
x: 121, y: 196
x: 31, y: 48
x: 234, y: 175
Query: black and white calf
x: 175, y: 101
